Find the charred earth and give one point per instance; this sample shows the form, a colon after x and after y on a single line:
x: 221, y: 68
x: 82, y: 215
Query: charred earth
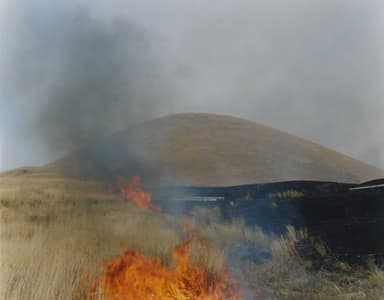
x: 349, y: 218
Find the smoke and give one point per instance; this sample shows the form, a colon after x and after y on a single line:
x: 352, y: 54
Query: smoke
x: 72, y: 71
x: 69, y: 77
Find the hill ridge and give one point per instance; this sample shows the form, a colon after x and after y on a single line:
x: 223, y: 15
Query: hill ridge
x: 210, y: 149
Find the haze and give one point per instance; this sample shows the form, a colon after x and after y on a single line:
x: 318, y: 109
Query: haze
x: 71, y: 71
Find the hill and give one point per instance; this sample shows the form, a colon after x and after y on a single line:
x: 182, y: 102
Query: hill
x: 207, y: 149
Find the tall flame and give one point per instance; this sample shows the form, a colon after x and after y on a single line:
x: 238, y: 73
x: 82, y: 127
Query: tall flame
x: 132, y: 191
x: 134, y: 276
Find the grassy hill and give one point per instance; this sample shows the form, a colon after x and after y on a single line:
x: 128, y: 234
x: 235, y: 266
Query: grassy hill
x: 55, y: 231
x: 207, y: 149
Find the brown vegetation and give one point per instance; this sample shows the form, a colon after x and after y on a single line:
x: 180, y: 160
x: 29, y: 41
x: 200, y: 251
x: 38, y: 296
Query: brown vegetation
x: 289, y: 194
x: 207, y: 149
x: 54, y: 231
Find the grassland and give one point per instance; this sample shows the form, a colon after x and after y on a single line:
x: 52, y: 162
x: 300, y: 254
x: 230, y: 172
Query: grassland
x: 210, y: 150
x: 53, y: 231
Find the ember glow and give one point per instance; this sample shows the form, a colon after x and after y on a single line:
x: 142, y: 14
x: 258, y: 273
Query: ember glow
x: 131, y: 191
x: 134, y: 276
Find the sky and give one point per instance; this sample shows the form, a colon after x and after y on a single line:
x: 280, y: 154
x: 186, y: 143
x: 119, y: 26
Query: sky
x: 71, y: 71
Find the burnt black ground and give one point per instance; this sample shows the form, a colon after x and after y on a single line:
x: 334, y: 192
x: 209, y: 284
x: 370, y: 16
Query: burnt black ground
x: 350, y: 221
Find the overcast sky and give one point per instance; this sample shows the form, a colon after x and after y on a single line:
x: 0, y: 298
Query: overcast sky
x: 73, y: 70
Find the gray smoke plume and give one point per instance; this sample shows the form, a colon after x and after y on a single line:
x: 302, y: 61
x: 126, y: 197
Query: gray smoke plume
x: 69, y: 77
x: 73, y: 70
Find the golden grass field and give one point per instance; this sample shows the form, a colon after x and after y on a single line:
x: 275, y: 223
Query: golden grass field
x: 53, y: 231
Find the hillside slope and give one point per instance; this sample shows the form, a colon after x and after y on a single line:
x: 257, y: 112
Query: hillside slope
x: 206, y: 149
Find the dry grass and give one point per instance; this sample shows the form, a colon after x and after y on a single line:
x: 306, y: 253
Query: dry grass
x: 289, y: 194
x: 211, y: 150
x: 53, y: 231
x: 290, y: 276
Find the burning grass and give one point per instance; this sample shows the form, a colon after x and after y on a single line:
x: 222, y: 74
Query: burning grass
x: 131, y: 191
x: 54, y: 230
x: 134, y: 276
x: 51, y: 234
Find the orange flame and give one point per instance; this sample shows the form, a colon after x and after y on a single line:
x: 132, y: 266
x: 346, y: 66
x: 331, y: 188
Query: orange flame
x: 187, y: 227
x: 134, y: 276
x: 133, y: 192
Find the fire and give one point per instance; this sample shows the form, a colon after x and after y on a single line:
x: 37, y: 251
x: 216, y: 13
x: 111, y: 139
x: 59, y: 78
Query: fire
x: 132, y: 191
x: 134, y: 276
x: 187, y: 227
